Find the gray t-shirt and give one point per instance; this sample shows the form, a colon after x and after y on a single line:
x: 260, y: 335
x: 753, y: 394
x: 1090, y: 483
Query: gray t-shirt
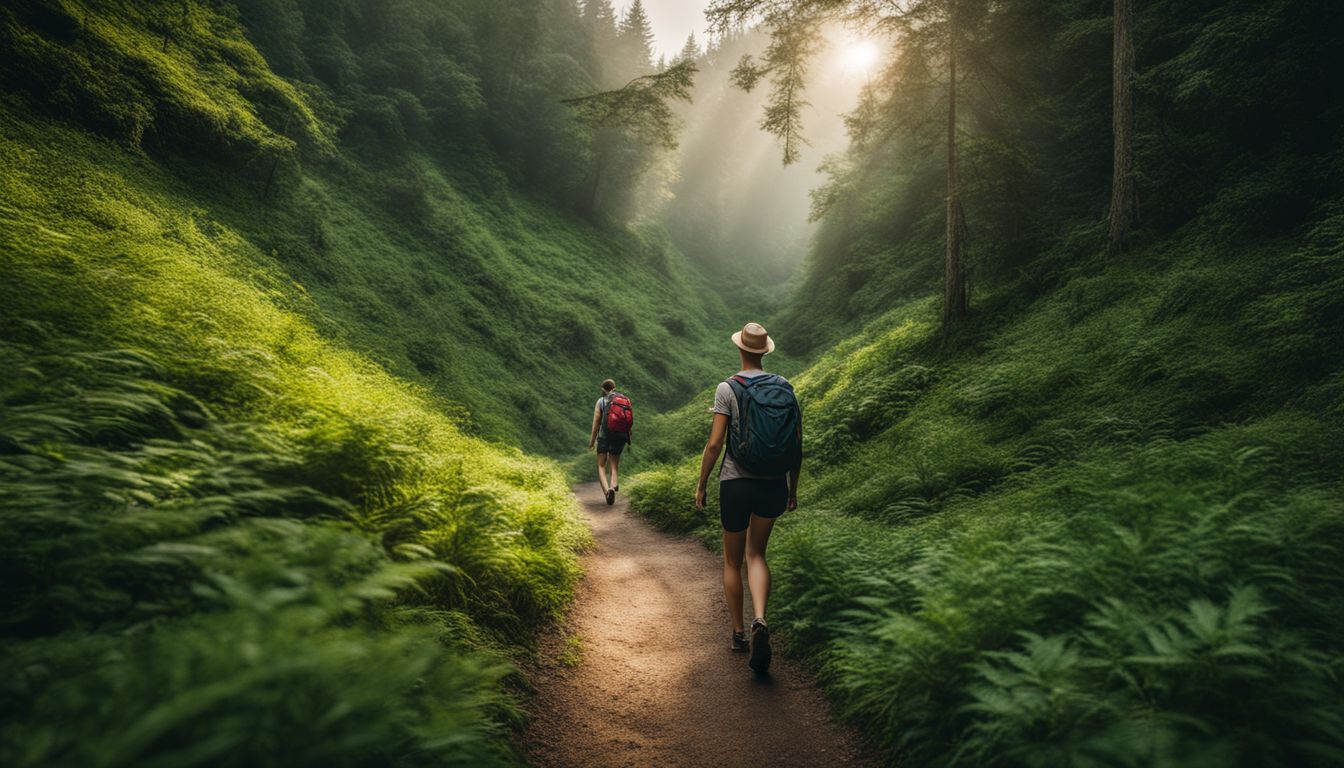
x: 725, y: 402
x: 601, y: 422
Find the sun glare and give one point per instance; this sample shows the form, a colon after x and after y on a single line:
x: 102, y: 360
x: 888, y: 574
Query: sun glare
x: 861, y: 56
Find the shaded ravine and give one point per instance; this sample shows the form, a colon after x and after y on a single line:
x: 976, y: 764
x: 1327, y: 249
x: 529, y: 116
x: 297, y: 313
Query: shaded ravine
x: 650, y: 681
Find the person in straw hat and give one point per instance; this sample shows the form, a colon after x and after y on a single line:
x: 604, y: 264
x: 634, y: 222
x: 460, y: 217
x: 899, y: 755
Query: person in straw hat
x: 757, y: 418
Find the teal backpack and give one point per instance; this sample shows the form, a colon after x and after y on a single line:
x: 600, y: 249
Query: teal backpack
x: 766, y: 437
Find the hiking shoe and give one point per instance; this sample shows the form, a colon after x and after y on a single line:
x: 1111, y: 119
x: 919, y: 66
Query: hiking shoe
x: 740, y: 644
x: 760, y: 647
x: 611, y: 497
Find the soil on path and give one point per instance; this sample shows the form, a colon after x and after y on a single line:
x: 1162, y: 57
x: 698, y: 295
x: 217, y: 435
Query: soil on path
x: 641, y: 674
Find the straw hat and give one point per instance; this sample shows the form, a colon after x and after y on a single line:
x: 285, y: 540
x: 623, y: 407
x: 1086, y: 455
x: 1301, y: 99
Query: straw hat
x: 753, y: 338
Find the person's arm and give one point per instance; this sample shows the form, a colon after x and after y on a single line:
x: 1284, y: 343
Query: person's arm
x: 597, y: 419
x: 713, y: 447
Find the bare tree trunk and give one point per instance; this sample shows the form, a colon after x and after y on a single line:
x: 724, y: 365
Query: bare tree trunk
x: 1123, y: 198
x: 954, y: 277
x: 595, y: 182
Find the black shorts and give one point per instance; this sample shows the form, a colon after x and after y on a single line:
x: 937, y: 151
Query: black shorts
x: 743, y: 497
x: 612, y: 443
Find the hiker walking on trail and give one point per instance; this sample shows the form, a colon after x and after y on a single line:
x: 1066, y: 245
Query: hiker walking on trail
x: 756, y: 414
x: 613, y: 417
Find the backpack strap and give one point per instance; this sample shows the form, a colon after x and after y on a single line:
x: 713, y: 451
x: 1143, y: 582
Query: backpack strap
x: 629, y: 433
x: 739, y: 384
x: 747, y: 382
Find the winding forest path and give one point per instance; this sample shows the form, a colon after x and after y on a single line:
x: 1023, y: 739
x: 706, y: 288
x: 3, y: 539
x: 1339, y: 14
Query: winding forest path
x: 650, y: 681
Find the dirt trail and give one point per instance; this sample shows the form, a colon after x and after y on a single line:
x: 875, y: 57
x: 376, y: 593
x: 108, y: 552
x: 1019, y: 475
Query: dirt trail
x: 654, y: 683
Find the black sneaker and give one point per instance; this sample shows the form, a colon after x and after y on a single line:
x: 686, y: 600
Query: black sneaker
x: 760, y: 647
x: 740, y: 644
x: 611, y: 497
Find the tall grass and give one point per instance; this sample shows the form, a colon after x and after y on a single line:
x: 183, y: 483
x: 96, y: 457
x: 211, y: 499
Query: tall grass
x: 177, y: 591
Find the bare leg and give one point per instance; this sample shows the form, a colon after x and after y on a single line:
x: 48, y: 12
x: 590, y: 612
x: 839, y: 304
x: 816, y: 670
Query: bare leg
x: 615, y: 461
x: 602, y: 472
x: 758, y: 573
x: 732, y: 574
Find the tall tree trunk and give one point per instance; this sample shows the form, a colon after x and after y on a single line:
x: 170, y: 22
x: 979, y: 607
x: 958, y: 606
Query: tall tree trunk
x: 1123, y: 208
x: 595, y: 183
x: 954, y: 277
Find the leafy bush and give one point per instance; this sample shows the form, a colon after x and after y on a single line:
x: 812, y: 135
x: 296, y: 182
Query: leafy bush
x: 665, y: 496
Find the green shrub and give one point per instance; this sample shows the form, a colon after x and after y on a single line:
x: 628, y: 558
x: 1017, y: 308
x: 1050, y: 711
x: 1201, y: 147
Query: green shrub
x: 666, y: 496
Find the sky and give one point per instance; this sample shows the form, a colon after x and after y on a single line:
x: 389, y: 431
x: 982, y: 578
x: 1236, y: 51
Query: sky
x: 672, y: 21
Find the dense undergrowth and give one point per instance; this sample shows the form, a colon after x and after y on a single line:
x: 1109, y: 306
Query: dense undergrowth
x: 228, y: 541
x: 227, y: 538
x: 270, y: 346
x: 1104, y: 531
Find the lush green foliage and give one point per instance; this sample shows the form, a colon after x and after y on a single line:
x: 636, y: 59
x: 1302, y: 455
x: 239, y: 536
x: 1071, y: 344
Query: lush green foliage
x: 236, y: 546
x: 285, y: 288
x: 1100, y: 522
x: 415, y: 250
x: 162, y: 74
x: 257, y: 311
x: 173, y: 588
x: 189, y: 464
x: 661, y: 494
x: 1106, y: 533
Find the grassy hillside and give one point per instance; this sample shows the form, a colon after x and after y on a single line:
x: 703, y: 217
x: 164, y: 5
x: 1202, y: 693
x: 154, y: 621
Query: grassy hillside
x: 263, y: 500
x: 508, y: 309
x: 405, y: 241
x: 224, y: 531
x: 1102, y: 528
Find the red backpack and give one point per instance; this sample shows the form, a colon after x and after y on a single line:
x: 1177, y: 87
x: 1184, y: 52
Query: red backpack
x: 620, y: 414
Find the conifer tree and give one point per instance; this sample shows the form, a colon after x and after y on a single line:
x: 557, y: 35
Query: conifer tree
x: 599, y: 20
x: 691, y: 50
x: 635, y: 40
x: 599, y: 15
